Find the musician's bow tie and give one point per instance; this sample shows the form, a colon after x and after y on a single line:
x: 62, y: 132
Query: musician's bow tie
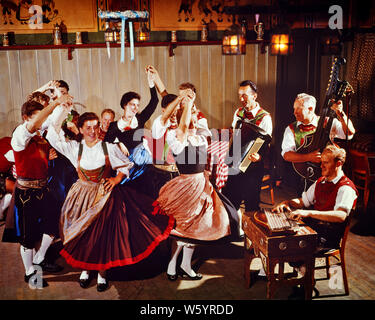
x: 248, y: 115
x: 306, y: 127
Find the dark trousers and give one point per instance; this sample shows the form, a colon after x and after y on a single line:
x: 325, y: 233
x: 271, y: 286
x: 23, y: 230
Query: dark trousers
x: 245, y: 186
x: 34, y: 215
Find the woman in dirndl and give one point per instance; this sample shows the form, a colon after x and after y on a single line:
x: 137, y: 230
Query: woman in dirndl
x: 129, y: 130
x: 101, y: 224
x: 202, y: 215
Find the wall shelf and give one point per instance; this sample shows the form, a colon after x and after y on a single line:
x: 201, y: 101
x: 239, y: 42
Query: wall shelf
x: 117, y: 45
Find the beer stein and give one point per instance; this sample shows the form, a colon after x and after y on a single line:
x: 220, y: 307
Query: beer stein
x: 259, y: 29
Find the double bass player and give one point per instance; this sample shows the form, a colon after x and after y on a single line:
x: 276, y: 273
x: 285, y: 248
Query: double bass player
x: 306, y: 124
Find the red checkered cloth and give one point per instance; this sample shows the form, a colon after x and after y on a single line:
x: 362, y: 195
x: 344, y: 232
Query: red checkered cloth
x: 217, y: 151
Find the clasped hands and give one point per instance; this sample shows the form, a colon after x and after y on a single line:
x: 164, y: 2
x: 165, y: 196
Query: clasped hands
x: 187, y: 96
x: 66, y: 101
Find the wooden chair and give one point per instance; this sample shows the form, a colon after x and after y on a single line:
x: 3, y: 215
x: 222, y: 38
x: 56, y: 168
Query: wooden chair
x: 361, y: 174
x: 267, y: 183
x: 339, y: 255
x: 268, y: 180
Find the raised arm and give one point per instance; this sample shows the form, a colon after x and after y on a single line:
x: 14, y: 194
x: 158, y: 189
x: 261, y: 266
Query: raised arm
x: 151, y: 107
x: 35, y: 123
x: 158, y: 82
x: 183, y: 127
x: 168, y: 111
x: 52, y: 84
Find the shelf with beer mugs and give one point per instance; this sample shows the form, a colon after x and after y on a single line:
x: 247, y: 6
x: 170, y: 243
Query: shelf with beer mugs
x: 114, y: 45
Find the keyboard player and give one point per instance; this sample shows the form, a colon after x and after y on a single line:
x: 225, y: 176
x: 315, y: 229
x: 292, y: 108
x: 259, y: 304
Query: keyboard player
x: 327, y: 203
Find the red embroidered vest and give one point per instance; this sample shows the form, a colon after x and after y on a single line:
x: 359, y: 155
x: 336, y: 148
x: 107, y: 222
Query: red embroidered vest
x: 326, y: 193
x: 32, y: 162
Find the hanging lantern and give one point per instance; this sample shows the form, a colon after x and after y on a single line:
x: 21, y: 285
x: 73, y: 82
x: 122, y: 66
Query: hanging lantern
x: 108, y: 33
x: 281, y: 42
x: 143, y: 34
x: 234, y: 41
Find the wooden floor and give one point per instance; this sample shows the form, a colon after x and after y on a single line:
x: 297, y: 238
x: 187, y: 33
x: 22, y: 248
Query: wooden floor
x: 221, y: 266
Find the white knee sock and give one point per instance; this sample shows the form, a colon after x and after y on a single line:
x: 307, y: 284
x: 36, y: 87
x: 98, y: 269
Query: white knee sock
x: 186, y: 260
x: 27, y: 259
x: 84, y: 275
x: 46, y: 242
x: 101, y: 277
x: 172, y: 263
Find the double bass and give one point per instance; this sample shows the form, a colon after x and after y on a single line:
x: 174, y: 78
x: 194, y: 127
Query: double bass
x: 318, y: 140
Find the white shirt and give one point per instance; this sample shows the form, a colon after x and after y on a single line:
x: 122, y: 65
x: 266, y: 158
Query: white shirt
x: 344, y: 199
x: 158, y: 129
x: 289, y: 142
x: 9, y: 156
x: 21, y: 137
x: 121, y: 124
x: 92, y: 157
x: 202, y: 127
x: 265, y: 124
x: 177, y: 146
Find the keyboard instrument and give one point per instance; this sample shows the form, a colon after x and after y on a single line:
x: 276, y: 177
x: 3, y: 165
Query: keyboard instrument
x: 276, y: 239
x: 279, y: 221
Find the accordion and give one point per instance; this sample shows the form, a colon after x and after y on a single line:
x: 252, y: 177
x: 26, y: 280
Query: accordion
x: 247, y: 138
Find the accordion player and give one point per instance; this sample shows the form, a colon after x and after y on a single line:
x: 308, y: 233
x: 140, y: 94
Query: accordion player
x: 245, y: 177
x: 247, y: 138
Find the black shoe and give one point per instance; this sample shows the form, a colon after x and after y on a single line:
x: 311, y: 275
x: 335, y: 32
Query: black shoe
x: 100, y: 287
x: 84, y: 283
x: 34, y: 281
x: 172, y: 277
x: 28, y: 277
x: 185, y: 275
x: 49, y: 267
